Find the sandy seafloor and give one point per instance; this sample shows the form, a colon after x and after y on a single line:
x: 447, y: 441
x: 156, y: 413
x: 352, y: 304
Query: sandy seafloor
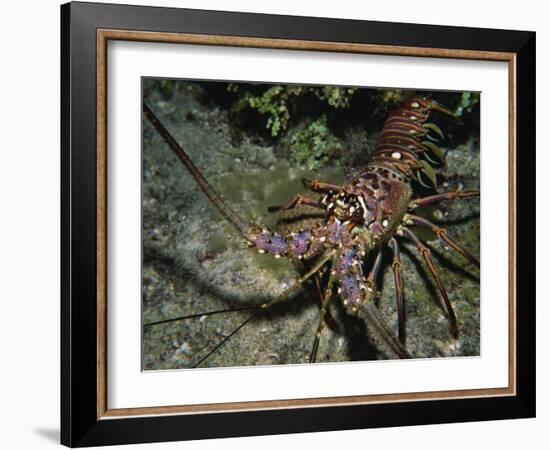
x: 193, y: 261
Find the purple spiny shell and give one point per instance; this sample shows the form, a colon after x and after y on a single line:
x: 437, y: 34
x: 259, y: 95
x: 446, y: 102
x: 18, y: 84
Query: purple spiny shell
x: 270, y: 242
x: 315, y: 247
x: 300, y: 243
x: 350, y: 289
x: 376, y: 228
x: 334, y: 235
x: 346, y: 259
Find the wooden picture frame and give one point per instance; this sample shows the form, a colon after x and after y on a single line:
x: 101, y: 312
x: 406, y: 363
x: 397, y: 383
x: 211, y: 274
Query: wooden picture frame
x: 86, y: 418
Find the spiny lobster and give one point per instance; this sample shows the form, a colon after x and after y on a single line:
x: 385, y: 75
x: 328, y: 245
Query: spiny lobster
x: 361, y: 217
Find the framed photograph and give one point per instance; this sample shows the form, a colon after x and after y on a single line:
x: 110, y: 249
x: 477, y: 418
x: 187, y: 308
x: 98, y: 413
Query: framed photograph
x: 278, y: 224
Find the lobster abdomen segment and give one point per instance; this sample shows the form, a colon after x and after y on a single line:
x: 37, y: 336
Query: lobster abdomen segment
x: 406, y: 137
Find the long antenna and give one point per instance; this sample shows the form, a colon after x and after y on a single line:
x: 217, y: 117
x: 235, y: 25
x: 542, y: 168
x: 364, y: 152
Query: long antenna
x: 229, y: 214
x: 194, y: 316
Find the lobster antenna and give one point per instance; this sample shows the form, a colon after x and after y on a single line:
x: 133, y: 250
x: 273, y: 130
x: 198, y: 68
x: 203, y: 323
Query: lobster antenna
x: 212, y: 195
x: 194, y: 316
x: 225, y: 339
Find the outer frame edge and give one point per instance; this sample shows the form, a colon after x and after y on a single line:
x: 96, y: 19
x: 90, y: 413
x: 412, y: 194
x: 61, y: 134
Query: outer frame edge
x: 525, y: 225
x: 65, y: 333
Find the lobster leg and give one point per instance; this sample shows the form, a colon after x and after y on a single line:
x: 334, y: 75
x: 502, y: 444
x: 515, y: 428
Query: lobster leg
x: 373, y: 274
x: 455, y: 195
x: 431, y: 266
x: 398, y: 279
x: 320, y: 186
x: 442, y: 234
x: 329, y: 318
x: 324, y: 307
x: 297, y: 200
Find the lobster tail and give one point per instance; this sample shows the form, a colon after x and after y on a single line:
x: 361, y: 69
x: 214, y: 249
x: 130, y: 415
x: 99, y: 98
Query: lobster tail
x: 406, y: 144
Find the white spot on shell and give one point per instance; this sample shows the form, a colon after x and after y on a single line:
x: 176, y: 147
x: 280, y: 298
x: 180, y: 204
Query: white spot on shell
x: 385, y: 223
x: 396, y: 155
x: 415, y: 105
x: 413, y: 117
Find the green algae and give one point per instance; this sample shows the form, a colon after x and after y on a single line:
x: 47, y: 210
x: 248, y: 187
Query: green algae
x: 314, y: 144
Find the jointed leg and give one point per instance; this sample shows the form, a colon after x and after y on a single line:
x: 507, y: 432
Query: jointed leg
x: 320, y: 186
x: 324, y: 307
x: 455, y: 195
x: 373, y: 274
x: 329, y: 319
x: 426, y: 255
x: 442, y: 234
x: 297, y: 200
x: 398, y: 279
